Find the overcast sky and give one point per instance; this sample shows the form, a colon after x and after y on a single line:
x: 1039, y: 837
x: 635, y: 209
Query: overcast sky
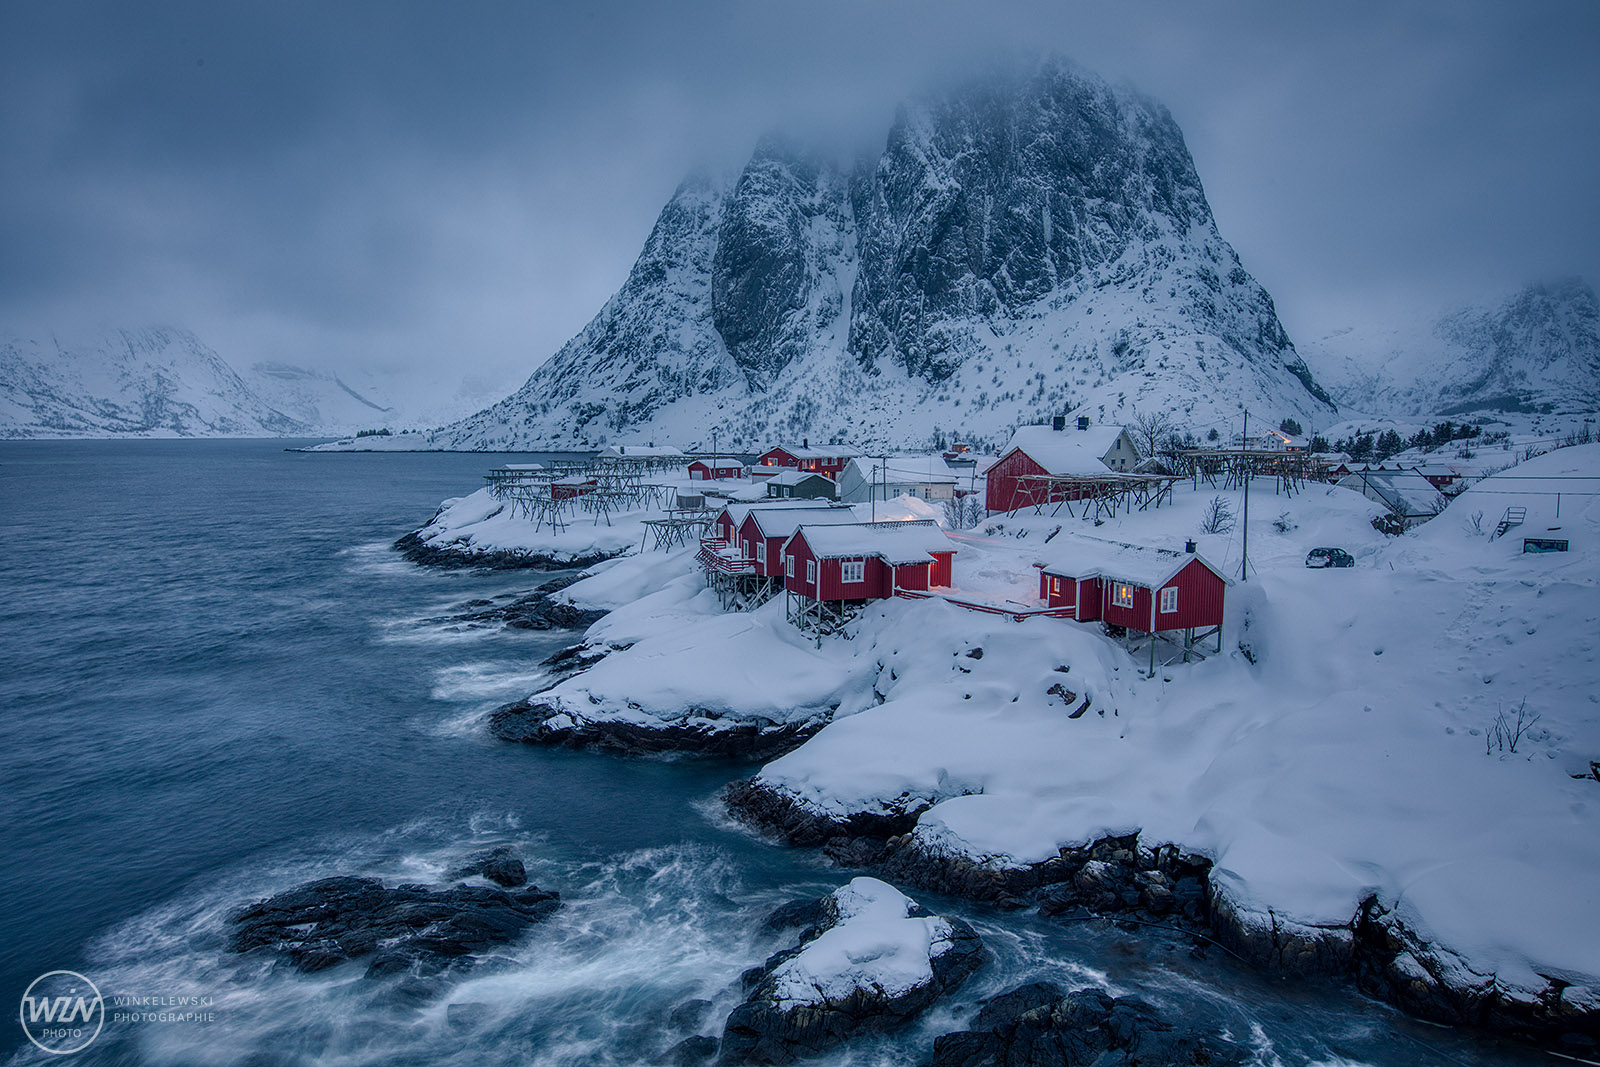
x: 393, y: 185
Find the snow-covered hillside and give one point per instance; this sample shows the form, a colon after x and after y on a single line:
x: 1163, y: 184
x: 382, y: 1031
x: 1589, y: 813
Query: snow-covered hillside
x: 162, y: 381
x: 1022, y: 246
x: 1538, y: 352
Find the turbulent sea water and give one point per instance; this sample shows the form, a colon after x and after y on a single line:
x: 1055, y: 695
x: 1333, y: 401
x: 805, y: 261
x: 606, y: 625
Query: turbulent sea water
x: 217, y: 681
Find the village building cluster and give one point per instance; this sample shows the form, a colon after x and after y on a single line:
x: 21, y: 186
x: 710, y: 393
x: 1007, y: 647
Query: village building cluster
x: 801, y: 521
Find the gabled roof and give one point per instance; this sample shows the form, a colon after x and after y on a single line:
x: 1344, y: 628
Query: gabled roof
x: 895, y: 543
x: 1151, y: 568
x: 783, y: 522
x: 736, y: 512
x: 718, y: 461
x: 1405, y: 492
x: 1069, y: 451
x: 819, y: 451
x: 794, y: 476
x: 905, y: 470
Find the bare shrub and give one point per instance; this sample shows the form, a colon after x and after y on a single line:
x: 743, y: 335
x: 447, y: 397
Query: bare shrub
x: 1219, y: 516
x: 1505, y: 733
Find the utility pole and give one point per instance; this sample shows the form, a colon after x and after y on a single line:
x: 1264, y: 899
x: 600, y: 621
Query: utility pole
x: 1244, y: 445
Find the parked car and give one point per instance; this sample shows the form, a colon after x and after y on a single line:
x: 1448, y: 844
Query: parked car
x: 1329, y: 557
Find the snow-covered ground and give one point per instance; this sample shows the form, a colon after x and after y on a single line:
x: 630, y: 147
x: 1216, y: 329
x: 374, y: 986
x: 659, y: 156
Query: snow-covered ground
x: 1354, y: 752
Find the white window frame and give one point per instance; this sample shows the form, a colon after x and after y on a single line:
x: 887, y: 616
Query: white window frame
x: 1169, y: 600
x: 761, y: 551
x: 1122, y: 594
x: 852, y: 571
x: 1055, y: 586
x: 788, y: 566
x: 811, y: 572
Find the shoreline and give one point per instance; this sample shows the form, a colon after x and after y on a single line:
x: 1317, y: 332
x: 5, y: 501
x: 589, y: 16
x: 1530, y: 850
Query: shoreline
x: 1121, y: 879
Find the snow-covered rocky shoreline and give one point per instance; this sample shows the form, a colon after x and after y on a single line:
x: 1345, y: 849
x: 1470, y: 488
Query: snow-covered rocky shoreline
x: 1318, y: 799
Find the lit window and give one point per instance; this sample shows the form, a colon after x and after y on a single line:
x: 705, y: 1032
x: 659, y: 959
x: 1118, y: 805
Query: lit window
x: 1055, y: 585
x: 1169, y: 598
x: 811, y: 571
x: 788, y: 566
x: 1122, y: 595
x: 852, y: 571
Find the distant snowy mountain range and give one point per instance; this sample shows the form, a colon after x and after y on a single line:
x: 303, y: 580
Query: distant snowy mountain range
x: 1031, y: 243
x: 1538, y: 352
x: 165, y: 382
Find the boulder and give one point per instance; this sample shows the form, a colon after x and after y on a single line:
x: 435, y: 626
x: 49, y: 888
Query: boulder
x: 873, y: 960
x: 499, y: 865
x: 1040, y: 1026
x: 406, y: 928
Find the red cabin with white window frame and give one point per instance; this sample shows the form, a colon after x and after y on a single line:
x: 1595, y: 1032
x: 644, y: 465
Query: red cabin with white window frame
x: 828, y: 460
x: 1143, y: 589
x: 762, y: 534
x: 866, y: 561
x: 702, y: 470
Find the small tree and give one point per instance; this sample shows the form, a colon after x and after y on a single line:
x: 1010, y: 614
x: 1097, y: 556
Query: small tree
x: 1212, y: 435
x: 1289, y: 426
x: 1150, y: 430
x: 1219, y: 516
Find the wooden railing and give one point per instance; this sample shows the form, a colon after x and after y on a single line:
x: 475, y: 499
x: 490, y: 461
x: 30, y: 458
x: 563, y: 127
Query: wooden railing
x: 1014, y: 614
x: 717, y: 554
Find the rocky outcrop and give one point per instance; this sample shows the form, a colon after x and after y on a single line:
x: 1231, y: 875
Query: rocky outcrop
x: 403, y: 929
x: 538, y: 610
x: 693, y: 731
x: 458, y: 554
x: 1041, y: 1026
x: 871, y: 961
x: 1121, y: 878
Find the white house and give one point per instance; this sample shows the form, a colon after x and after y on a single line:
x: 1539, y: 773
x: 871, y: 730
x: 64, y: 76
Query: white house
x: 884, y: 478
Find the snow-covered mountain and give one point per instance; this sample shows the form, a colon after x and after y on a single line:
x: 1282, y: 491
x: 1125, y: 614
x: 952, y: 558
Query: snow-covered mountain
x: 1027, y: 244
x: 1538, y: 351
x: 162, y: 381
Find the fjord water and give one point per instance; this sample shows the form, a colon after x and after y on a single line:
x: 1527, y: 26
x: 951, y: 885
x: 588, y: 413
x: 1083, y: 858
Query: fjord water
x: 217, y: 680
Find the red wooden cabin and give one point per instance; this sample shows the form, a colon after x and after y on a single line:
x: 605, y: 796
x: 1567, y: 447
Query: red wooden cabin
x: 764, y: 530
x: 1147, y: 590
x: 715, y: 467
x: 1040, y: 450
x: 569, y: 489
x: 866, y: 561
x: 828, y: 460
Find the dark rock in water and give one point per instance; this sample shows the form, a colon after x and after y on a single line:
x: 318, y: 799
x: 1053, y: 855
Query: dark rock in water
x: 772, y: 1027
x: 699, y: 733
x: 689, y: 1015
x: 534, y: 611
x: 404, y: 928
x: 500, y: 865
x: 1038, y: 1026
x: 801, y: 914
x: 692, y: 1050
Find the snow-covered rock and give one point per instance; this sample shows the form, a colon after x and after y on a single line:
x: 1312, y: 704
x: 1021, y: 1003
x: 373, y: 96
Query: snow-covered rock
x: 874, y: 960
x: 1028, y: 243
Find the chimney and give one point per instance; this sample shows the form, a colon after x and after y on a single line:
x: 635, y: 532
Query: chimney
x: 1083, y: 422
x: 1058, y: 423
x: 805, y: 442
x: 1188, y: 546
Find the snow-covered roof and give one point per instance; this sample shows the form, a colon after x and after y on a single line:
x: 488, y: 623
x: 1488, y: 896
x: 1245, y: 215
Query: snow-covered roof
x: 736, y: 512
x: 794, y: 476
x: 1069, y: 451
x: 1091, y: 557
x: 1405, y: 492
x: 521, y: 467
x: 718, y: 461
x: 892, y: 542
x: 639, y: 452
x: 905, y: 470
x: 783, y: 522
x: 820, y: 451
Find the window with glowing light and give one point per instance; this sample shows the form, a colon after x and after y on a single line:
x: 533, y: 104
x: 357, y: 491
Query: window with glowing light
x: 1122, y: 595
